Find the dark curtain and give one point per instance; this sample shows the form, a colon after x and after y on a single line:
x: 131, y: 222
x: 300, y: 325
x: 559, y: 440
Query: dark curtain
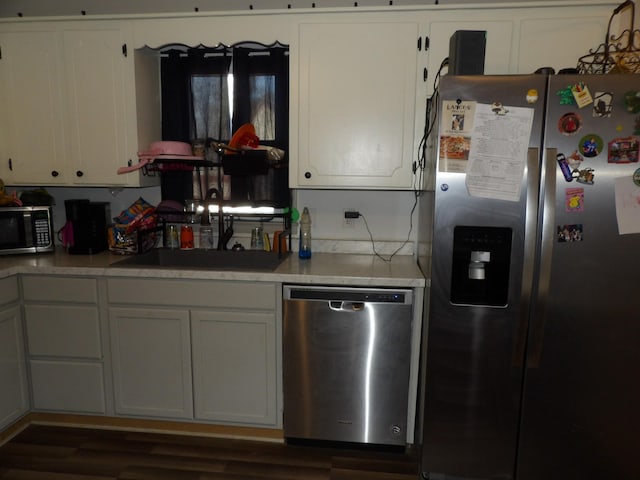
x: 177, y: 68
x: 249, y: 63
x: 183, y: 119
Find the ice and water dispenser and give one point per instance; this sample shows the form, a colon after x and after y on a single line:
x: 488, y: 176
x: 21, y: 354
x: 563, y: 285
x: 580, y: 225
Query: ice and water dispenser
x: 480, y: 267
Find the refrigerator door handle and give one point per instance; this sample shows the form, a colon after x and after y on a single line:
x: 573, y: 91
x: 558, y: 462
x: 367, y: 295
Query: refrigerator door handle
x: 528, y: 267
x: 539, y: 318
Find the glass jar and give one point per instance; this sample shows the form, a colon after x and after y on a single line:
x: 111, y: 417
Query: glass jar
x: 206, y: 237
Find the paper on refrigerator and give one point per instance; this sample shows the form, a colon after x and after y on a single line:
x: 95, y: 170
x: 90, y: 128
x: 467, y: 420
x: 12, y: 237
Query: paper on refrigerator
x: 627, y: 195
x: 456, y: 125
x: 498, y: 151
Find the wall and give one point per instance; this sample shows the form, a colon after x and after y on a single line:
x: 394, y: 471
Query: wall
x: 119, y: 199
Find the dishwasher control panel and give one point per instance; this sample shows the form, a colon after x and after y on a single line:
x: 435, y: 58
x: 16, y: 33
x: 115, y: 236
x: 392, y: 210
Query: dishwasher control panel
x: 373, y: 295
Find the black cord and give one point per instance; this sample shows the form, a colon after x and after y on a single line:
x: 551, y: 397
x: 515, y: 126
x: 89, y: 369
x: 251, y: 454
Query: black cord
x: 430, y: 122
x: 373, y: 243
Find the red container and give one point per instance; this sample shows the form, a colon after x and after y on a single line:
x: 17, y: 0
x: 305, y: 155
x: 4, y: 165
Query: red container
x: 186, y: 237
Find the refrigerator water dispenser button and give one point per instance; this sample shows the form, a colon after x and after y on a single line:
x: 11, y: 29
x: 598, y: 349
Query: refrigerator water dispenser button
x: 476, y: 264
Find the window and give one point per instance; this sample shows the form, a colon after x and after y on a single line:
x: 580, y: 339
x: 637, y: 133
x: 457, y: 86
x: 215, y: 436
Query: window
x: 208, y: 93
x: 211, y: 92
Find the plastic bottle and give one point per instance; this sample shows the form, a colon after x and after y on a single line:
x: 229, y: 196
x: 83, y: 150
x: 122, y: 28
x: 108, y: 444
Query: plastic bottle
x: 304, y: 250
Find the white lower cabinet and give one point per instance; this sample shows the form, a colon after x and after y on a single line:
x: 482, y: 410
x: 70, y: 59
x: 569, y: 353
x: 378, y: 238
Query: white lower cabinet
x: 234, y: 366
x: 151, y: 356
x: 69, y: 386
x: 201, y: 350
x: 14, y: 399
x: 64, y: 344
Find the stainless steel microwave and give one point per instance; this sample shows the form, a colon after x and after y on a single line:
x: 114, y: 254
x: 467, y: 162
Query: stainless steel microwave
x: 25, y: 230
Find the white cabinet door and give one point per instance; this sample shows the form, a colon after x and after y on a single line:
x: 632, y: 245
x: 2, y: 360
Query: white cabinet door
x: 95, y: 67
x: 13, y: 377
x: 151, y: 352
x: 32, y: 149
x: 68, y: 386
x: 353, y: 103
x: 234, y: 366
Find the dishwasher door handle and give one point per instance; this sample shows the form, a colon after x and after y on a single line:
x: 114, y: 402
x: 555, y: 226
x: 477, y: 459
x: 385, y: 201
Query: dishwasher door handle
x: 340, y: 306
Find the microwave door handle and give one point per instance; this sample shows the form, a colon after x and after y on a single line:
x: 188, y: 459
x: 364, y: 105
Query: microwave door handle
x: 28, y: 230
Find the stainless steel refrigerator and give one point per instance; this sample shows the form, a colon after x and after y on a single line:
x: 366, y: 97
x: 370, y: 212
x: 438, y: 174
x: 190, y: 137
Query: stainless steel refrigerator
x: 533, y: 329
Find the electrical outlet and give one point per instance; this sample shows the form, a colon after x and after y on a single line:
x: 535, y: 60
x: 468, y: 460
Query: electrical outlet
x: 350, y: 217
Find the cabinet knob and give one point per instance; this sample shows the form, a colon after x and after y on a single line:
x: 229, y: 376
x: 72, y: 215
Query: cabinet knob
x: 307, y: 174
x: 79, y: 173
x: 54, y: 173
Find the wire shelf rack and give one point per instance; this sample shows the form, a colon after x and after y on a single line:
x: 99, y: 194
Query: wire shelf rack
x: 619, y: 53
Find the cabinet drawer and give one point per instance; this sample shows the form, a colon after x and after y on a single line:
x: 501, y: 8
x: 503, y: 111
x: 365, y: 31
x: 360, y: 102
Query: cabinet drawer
x: 256, y: 295
x: 66, y: 331
x: 59, y: 289
x: 68, y: 386
x: 8, y: 290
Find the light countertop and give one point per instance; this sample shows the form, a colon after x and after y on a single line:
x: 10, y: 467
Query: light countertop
x: 322, y: 268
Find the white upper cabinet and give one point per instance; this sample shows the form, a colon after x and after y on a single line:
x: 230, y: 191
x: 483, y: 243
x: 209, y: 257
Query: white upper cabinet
x: 99, y: 127
x: 69, y: 116
x: 353, y: 105
x: 32, y: 148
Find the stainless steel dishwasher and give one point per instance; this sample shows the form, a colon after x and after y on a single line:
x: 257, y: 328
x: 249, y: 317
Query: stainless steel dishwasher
x: 346, y: 358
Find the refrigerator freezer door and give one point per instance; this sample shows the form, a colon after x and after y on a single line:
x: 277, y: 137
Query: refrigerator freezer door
x: 580, y: 406
x: 475, y: 350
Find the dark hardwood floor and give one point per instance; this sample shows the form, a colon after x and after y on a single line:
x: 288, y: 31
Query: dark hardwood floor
x: 57, y: 453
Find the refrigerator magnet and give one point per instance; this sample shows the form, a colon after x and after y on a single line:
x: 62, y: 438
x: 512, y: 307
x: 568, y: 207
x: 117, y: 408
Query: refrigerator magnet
x: 498, y: 108
x: 569, y: 233
x: 532, y: 95
x: 602, y: 104
x: 623, y: 150
x: 574, y: 200
x: 632, y: 101
x: 585, y: 176
x: 564, y: 167
x: 566, y: 96
x: 636, y: 177
x: 590, y: 145
x: 581, y: 94
x: 569, y: 123
x: 575, y: 160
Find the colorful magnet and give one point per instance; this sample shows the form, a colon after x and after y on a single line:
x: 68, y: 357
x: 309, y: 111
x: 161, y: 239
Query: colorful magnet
x: 623, y: 150
x: 532, y: 95
x: 632, y: 101
x: 574, y: 199
x: 564, y: 167
x: 566, y: 96
x: 636, y: 177
x: 575, y: 160
x: 603, y: 104
x: 590, y: 145
x: 585, y: 176
x: 569, y: 233
x: 581, y: 94
x: 569, y: 123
